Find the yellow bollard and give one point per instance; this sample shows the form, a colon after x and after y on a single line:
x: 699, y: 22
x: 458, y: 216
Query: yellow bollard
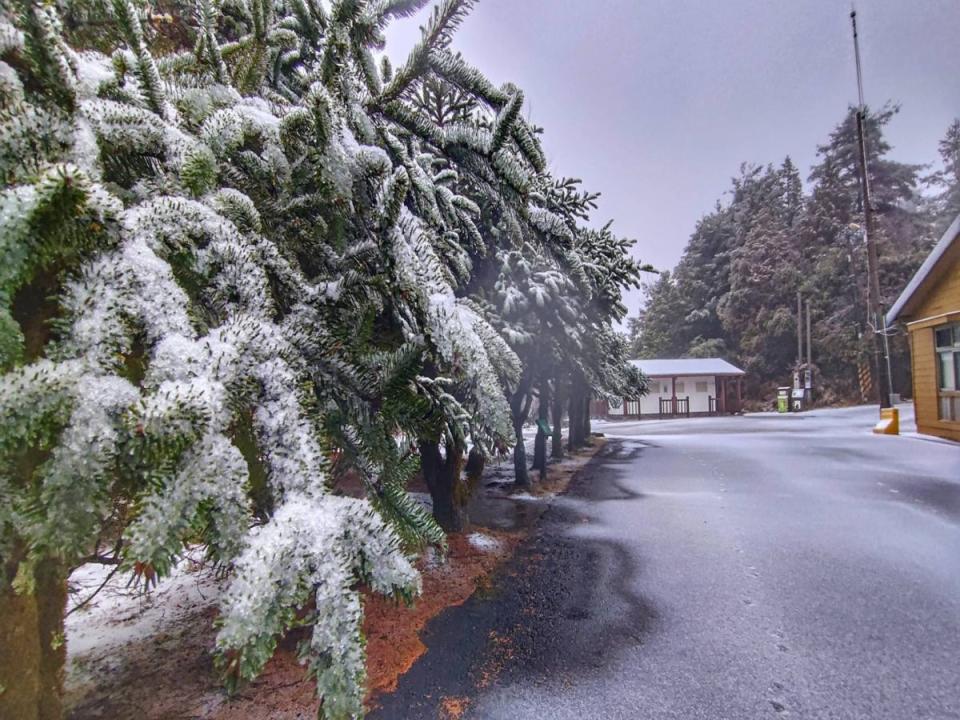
x: 889, y: 422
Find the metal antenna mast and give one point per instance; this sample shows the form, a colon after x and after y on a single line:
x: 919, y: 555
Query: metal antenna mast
x: 884, y: 384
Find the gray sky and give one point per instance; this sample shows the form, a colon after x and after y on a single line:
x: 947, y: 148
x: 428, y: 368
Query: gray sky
x: 655, y: 103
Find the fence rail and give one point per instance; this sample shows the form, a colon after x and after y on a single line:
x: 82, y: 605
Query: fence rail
x: 675, y: 407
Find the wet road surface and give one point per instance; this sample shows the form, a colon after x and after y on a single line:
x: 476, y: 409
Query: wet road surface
x: 755, y: 567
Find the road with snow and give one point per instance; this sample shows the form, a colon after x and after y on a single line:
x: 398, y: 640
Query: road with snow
x: 749, y: 567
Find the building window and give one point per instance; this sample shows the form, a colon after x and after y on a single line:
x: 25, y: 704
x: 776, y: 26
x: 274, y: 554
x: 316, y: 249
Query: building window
x: 948, y: 371
x: 666, y: 389
x: 679, y: 387
x: 701, y: 387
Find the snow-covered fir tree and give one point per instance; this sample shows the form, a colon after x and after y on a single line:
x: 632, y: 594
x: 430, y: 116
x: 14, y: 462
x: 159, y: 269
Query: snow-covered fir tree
x: 240, y: 261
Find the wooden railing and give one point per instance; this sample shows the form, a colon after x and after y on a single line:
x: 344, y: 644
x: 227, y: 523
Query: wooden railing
x: 675, y: 407
x: 949, y: 401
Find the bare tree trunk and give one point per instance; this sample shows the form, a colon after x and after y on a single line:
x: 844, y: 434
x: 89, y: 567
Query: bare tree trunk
x: 543, y: 420
x: 521, y: 476
x: 33, y: 600
x: 556, y: 445
x: 579, y: 416
x: 520, y: 402
x: 586, y: 419
x: 575, y: 435
x: 448, y: 490
x: 573, y: 413
x: 476, y: 461
x: 32, y: 648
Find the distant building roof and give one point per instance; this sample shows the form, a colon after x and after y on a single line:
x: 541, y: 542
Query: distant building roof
x: 929, y: 271
x: 687, y: 366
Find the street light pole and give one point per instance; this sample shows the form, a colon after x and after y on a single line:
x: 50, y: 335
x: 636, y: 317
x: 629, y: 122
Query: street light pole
x: 874, y: 304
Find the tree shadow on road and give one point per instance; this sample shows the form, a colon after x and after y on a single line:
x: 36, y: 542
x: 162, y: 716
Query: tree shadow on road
x: 564, y: 607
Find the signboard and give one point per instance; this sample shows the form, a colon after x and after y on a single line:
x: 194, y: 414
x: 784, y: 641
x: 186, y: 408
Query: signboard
x: 808, y: 379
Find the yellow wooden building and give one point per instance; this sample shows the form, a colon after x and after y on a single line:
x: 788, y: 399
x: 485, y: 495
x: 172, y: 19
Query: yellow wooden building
x: 930, y: 308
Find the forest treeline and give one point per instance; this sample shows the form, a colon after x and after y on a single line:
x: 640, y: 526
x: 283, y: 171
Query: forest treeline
x: 733, y: 293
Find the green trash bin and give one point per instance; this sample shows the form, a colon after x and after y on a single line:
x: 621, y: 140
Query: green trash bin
x: 783, y: 399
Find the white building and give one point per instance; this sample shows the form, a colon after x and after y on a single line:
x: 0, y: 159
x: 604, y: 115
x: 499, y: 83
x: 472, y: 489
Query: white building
x: 681, y: 387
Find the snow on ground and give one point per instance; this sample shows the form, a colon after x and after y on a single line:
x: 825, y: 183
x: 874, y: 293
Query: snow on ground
x: 121, y: 613
x: 525, y: 496
x: 433, y: 560
x: 484, y: 543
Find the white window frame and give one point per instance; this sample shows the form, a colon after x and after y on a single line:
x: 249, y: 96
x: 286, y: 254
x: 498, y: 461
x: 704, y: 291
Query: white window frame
x: 946, y: 342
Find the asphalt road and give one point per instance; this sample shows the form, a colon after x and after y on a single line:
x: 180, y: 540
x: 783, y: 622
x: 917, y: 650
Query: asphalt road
x: 755, y: 567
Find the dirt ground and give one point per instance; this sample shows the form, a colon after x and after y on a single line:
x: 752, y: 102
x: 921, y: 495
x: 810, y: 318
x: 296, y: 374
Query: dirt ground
x: 135, y: 656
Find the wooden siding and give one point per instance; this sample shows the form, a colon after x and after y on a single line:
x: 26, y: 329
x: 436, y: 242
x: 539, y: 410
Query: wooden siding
x: 935, y: 309
x: 944, y: 296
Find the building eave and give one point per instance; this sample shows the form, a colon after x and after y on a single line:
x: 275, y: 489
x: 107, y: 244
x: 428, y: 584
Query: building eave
x: 925, y: 273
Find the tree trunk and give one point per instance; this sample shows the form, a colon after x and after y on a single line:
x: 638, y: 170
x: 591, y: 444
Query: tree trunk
x: 543, y: 420
x: 33, y: 653
x: 448, y: 491
x: 556, y: 449
x: 576, y: 421
x: 520, y: 475
x: 476, y: 461
x: 586, y: 419
x: 519, y: 409
x: 579, y: 417
x: 32, y: 648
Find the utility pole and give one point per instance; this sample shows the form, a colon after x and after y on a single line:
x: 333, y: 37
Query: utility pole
x: 808, y: 371
x: 874, y: 306
x: 799, y: 331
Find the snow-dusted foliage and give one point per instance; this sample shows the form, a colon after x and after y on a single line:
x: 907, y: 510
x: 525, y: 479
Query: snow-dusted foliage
x: 281, y: 569
x: 179, y: 321
x: 233, y: 269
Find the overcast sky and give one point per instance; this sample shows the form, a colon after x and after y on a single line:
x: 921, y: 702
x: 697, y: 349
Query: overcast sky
x: 655, y: 103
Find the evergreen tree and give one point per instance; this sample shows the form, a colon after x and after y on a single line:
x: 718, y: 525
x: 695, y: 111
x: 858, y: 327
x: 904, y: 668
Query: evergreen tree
x: 243, y: 260
x: 834, y: 256
x: 733, y: 292
x: 756, y: 312
x: 946, y: 181
x: 702, y: 278
x: 658, y: 335
x: 832, y: 234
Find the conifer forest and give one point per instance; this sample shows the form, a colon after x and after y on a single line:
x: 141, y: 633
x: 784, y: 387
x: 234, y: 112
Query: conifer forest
x: 733, y: 293
x: 311, y: 321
